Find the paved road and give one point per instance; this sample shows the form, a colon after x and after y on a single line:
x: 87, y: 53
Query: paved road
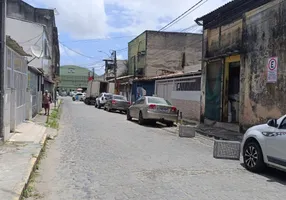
x: 100, y: 155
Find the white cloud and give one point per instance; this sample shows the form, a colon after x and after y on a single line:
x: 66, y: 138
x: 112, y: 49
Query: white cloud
x: 81, y: 19
x: 143, y: 15
x: 88, y: 19
x: 120, y: 57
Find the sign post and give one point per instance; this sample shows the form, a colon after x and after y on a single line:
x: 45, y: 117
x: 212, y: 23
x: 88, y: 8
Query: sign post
x: 272, y: 66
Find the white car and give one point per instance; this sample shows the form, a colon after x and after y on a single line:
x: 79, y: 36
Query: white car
x: 101, y: 99
x: 265, y: 145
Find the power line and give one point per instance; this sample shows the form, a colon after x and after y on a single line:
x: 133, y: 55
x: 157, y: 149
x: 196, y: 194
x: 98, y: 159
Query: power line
x: 100, y: 39
x: 76, y: 51
x: 180, y: 16
x: 29, y: 40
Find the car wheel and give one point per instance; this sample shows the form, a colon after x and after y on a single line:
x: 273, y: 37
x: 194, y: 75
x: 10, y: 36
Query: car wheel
x: 108, y: 109
x: 170, y: 124
x: 141, y: 119
x: 129, y: 118
x: 104, y: 108
x: 253, y: 157
x: 98, y: 106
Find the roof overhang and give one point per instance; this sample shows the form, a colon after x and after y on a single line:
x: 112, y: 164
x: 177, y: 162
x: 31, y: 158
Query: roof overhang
x: 15, y: 46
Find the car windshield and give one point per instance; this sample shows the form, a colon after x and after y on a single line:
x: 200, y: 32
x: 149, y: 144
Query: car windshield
x: 118, y: 97
x: 158, y: 100
x: 280, y: 119
x: 107, y: 96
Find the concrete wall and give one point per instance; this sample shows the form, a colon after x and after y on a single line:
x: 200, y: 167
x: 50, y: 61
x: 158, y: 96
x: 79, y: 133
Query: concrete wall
x: 265, y: 34
x: 20, y: 10
x: 223, y: 39
x: 188, y: 102
x: 136, y: 46
x: 165, y: 51
x: 31, y: 34
x: 7, y: 114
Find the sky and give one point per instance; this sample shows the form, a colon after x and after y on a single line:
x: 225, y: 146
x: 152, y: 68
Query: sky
x: 90, y: 29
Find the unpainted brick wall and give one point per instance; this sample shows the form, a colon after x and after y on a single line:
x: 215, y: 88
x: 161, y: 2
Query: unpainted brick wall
x: 190, y: 109
x: 165, y: 51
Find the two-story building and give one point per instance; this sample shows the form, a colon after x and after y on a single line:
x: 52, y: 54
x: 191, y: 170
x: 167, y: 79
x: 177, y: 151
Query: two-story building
x: 39, y: 38
x: 155, y: 53
x: 243, y: 68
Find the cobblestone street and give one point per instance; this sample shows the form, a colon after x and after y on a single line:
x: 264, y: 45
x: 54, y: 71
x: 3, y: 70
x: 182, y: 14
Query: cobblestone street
x: 101, y: 155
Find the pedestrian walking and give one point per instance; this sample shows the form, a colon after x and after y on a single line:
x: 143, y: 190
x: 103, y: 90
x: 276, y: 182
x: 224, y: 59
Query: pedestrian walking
x: 46, y: 102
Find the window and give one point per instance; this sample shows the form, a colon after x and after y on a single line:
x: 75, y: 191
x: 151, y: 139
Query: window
x: 9, y: 58
x: 118, y: 97
x: 71, y: 70
x: 283, y: 124
x: 140, y: 101
x: 158, y: 100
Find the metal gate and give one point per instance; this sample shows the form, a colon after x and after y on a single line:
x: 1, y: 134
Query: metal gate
x: 164, y: 89
x: 20, y: 85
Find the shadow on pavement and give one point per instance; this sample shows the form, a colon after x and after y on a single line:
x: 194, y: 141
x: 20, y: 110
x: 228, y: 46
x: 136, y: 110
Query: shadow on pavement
x: 273, y: 175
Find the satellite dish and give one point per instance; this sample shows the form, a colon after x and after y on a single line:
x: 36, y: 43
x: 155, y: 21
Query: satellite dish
x: 37, y: 51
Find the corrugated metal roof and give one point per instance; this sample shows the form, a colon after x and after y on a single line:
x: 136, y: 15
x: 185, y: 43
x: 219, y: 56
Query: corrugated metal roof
x: 228, y: 9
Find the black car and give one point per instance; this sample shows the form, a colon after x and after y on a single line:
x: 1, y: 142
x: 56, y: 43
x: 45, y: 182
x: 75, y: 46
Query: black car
x: 117, y: 102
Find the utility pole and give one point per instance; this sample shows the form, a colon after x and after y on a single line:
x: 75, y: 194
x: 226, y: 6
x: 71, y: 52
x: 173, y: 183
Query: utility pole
x: 115, y: 72
x: 93, y: 73
x: 2, y: 63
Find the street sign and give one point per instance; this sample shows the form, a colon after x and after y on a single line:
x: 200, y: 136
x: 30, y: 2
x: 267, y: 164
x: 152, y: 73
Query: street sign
x: 272, y: 66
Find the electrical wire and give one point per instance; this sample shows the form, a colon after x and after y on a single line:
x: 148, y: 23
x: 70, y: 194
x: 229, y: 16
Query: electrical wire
x: 187, y: 12
x: 99, y: 39
x: 29, y: 40
x: 177, y: 19
x: 76, y: 51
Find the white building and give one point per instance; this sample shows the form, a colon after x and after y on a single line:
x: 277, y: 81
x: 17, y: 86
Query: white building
x: 16, y: 96
x: 33, y: 39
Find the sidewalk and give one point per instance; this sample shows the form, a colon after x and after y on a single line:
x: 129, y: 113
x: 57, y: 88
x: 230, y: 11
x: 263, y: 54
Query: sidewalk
x: 19, y: 156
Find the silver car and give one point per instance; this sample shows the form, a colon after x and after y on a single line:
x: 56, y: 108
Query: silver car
x: 153, y: 109
x: 117, y: 102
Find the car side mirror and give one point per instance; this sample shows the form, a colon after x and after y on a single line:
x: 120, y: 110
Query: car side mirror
x: 272, y: 123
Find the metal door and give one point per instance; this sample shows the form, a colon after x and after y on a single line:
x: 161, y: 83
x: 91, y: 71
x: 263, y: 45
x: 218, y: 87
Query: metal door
x: 213, y: 91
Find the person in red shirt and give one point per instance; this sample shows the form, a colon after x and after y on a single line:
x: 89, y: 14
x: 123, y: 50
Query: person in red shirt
x: 46, y: 102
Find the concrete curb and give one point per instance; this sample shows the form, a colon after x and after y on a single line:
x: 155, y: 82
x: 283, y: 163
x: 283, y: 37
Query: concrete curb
x: 21, y: 187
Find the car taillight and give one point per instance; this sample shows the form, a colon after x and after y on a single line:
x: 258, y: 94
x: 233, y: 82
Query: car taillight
x: 152, y: 106
x: 173, y: 109
x: 129, y: 103
x: 113, y: 102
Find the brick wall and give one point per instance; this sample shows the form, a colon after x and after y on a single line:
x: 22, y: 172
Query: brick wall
x: 190, y: 109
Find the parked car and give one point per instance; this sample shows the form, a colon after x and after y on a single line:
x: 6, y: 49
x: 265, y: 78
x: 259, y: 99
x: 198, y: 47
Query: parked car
x: 117, y: 102
x: 101, y: 99
x: 265, y: 145
x: 77, y: 97
x: 152, y: 109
